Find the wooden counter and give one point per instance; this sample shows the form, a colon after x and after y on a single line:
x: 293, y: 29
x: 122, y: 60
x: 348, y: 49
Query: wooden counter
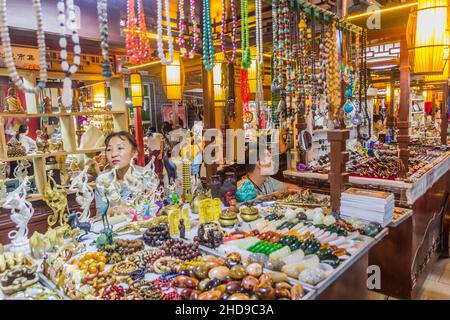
x: 407, y: 254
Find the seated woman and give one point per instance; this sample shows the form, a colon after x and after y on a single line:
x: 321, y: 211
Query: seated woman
x: 258, y: 181
x: 121, y: 147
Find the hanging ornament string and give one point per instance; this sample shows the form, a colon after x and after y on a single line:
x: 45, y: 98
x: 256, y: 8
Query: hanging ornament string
x: 144, y: 41
x: 102, y: 11
x: 188, y: 54
x: 233, y: 30
x: 7, y: 50
x: 245, y: 40
x: 208, y: 45
x: 259, y: 96
x: 161, y: 53
x: 131, y: 39
x: 71, y: 25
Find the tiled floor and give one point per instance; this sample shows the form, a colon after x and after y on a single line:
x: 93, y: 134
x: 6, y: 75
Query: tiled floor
x: 435, y: 287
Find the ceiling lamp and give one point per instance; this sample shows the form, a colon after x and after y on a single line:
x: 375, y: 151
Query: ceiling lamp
x: 173, y: 79
x: 428, y: 38
x: 440, y: 77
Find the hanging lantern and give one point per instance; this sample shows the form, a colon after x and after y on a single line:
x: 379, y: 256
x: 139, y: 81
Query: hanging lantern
x: 440, y: 77
x: 388, y: 94
x: 253, y: 71
x: 173, y: 79
x: 220, y: 79
x: 428, y: 37
x: 136, y: 89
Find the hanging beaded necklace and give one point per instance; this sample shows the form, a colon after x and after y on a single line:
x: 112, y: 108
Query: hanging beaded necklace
x: 188, y: 54
x: 102, y: 10
x: 259, y: 96
x: 208, y: 45
x: 144, y: 41
x: 322, y: 80
x: 313, y: 82
x: 276, y: 84
x: 67, y: 94
x: 246, y: 56
x: 160, y: 44
x: 7, y: 50
x: 301, y: 62
x: 245, y: 61
x: 332, y: 75
x: 233, y: 31
x: 131, y: 40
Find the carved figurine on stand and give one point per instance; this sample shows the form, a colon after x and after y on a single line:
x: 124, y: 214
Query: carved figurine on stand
x: 84, y: 194
x: 13, y: 104
x: 56, y: 146
x: 21, y: 213
x: 182, y: 229
x: 15, y: 148
x: 48, y: 108
x: 21, y: 171
x: 82, y: 103
x: 55, y: 197
x: 84, y: 226
x: 3, y: 191
x: 42, y: 144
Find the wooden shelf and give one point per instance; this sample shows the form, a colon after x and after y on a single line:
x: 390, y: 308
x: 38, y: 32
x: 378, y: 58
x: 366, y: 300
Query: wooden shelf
x: 37, y: 155
x: 40, y: 115
x: 53, y: 154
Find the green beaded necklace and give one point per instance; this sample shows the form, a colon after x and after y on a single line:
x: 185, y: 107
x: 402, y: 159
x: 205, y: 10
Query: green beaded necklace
x: 246, y: 56
x: 208, y: 45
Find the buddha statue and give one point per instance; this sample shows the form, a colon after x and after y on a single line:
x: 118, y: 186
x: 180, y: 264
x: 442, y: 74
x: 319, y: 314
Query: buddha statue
x: 48, y: 105
x: 13, y: 104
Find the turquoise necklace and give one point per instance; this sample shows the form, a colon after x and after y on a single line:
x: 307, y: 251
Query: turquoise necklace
x: 208, y: 45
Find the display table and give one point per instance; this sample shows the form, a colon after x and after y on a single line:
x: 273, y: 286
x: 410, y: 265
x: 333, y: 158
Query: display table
x: 348, y: 281
x: 407, y: 254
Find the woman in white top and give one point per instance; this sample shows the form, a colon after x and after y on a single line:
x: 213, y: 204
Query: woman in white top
x: 22, y: 136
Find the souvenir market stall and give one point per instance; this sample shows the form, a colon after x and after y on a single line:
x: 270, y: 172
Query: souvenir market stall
x: 291, y: 72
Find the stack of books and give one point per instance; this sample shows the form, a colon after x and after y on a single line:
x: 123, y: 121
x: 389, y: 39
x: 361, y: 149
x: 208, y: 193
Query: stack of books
x: 368, y: 205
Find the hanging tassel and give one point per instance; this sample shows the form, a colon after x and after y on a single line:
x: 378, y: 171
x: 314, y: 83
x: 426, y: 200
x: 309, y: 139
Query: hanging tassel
x: 245, y: 88
x: 67, y: 94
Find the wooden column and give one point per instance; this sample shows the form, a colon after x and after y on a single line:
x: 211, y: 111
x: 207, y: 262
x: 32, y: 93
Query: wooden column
x: 338, y: 158
x: 444, y: 115
x: 403, y: 121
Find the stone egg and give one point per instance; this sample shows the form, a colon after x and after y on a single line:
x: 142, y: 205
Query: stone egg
x: 297, y: 292
x: 238, y: 272
x: 219, y: 273
x: 266, y: 278
x: 201, y: 272
x: 265, y: 292
x: 210, y: 295
x: 254, y: 269
x: 239, y: 296
x: 250, y: 283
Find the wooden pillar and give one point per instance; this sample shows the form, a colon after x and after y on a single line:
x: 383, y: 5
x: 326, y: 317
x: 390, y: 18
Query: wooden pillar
x: 444, y: 115
x: 403, y: 121
x: 433, y: 106
x: 338, y: 158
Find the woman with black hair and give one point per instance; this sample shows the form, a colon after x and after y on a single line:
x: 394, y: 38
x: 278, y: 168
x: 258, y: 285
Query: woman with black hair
x: 121, y: 148
x: 22, y: 136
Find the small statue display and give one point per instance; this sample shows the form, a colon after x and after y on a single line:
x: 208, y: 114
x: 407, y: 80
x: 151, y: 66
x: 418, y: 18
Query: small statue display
x: 41, y: 142
x: 182, y: 229
x: 56, y: 146
x: 15, y: 149
x: 82, y: 103
x: 48, y: 108
x: 21, y: 212
x: 83, y: 226
x: 13, y: 104
x: 209, y: 235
